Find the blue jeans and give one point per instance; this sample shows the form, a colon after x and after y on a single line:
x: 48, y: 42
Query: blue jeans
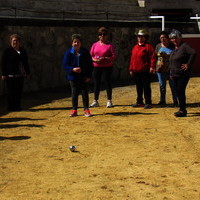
x: 162, y: 79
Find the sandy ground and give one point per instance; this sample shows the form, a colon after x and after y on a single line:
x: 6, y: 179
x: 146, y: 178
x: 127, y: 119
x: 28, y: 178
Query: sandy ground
x: 123, y: 153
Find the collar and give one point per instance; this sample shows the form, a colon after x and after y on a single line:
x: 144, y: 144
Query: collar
x: 73, y: 51
x: 141, y: 45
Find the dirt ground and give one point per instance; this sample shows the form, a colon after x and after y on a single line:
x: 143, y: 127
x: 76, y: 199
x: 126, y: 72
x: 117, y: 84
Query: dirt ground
x: 123, y: 153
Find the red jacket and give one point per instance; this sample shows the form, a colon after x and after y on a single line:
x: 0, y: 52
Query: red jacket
x: 143, y: 57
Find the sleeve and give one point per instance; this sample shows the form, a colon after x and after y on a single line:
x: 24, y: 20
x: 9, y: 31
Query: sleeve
x: 192, y: 54
x: 153, y: 57
x: 67, y: 62
x: 92, y: 51
x: 157, y: 48
x: 113, y: 54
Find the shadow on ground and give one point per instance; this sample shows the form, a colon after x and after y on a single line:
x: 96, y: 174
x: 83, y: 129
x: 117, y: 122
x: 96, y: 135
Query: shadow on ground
x: 15, y: 138
x: 33, y: 99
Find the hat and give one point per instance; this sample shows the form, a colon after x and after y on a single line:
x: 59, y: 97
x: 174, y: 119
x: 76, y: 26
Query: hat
x: 142, y: 32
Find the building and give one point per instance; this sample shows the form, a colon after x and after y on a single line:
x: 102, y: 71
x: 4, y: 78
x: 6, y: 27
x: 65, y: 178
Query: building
x: 46, y: 27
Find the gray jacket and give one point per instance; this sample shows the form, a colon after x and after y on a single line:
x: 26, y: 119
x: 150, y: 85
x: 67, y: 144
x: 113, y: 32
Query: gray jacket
x: 183, y: 55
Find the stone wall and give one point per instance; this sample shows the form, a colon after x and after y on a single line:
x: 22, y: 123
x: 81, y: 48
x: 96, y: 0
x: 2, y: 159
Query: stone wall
x: 46, y: 47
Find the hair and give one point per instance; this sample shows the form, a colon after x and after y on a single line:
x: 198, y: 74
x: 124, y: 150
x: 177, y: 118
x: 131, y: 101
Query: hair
x: 102, y: 29
x: 76, y: 36
x: 165, y: 33
x: 15, y: 36
x: 175, y: 34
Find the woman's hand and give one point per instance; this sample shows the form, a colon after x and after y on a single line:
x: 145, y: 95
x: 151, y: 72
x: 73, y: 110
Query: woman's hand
x: 152, y: 71
x: 3, y: 77
x: 87, y: 80
x: 77, y: 70
x: 131, y: 73
x: 184, y: 67
x: 100, y: 59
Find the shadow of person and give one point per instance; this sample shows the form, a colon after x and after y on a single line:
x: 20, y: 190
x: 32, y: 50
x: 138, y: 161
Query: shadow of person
x: 16, y: 119
x: 15, y: 138
x: 21, y: 125
x: 197, y: 114
x: 193, y: 105
x: 129, y: 113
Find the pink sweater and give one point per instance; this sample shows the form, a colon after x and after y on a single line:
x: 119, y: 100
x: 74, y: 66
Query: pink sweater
x: 103, y: 50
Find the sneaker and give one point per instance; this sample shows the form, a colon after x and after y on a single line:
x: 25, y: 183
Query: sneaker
x: 109, y: 104
x: 73, y: 113
x: 148, y: 106
x: 138, y: 105
x: 95, y: 104
x: 180, y: 113
x: 87, y: 113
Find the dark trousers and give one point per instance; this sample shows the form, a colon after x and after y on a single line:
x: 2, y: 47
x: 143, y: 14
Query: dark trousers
x: 143, y: 86
x: 78, y: 87
x: 98, y: 73
x: 14, y: 86
x: 180, y: 84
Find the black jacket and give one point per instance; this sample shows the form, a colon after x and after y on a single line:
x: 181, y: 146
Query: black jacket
x: 12, y: 60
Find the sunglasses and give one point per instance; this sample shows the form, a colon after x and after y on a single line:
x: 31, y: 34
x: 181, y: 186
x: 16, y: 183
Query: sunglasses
x: 102, y: 34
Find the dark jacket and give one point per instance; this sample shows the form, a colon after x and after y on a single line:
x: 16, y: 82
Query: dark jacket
x: 12, y: 61
x: 183, y: 55
x: 70, y: 61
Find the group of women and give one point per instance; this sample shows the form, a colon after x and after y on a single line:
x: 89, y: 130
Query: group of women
x: 171, y: 59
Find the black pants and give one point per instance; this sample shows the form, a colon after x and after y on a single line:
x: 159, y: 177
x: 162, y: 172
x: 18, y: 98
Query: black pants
x: 180, y: 84
x: 14, y: 86
x: 143, y: 85
x: 98, y: 72
x: 76, y: 88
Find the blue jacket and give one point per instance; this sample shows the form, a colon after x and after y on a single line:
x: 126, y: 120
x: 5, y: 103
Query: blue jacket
x: 84, y: 61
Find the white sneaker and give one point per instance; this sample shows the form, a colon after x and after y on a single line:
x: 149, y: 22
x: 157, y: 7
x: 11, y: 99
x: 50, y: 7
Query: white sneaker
x: 109, y: 104
x: 95, y: 104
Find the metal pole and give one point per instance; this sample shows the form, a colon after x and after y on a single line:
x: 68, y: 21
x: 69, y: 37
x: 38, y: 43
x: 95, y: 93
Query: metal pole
x: 159, y: 17
x: 197, y: 18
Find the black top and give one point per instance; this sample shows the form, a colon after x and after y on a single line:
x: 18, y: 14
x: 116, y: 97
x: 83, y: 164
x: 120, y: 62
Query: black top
x: 14, y: 63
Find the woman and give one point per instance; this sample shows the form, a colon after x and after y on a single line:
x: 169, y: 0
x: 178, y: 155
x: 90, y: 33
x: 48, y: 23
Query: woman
x: 103, y: 56
x: 163, y: 50
x: 78, y: 64
x: 181, y: 60
x: 142, y: 65
x: 15, y: 67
